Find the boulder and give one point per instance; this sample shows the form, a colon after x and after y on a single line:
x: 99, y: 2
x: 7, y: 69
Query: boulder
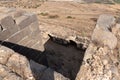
x: 106, y: 22
x: 104, y: 38
x: 101, y: 60
x: 14, y: 66
x: 102, y: 34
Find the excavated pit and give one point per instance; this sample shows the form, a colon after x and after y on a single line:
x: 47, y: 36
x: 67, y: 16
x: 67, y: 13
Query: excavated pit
x: 63, y: 58
x: 20, y: 32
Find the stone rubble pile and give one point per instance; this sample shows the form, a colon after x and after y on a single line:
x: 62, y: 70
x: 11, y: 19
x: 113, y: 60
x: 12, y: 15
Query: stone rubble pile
x: 101, y: 60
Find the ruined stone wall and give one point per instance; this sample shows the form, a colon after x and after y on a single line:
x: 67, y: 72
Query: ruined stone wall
x: 101, y: 59
x: 20, y: 28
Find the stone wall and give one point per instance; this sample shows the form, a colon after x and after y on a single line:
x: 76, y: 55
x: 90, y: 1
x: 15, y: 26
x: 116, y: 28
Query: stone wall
x: 20, y: 28
x: 101, y: 59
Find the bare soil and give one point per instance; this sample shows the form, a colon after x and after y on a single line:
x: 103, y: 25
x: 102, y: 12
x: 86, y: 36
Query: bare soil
x: 71, y: 15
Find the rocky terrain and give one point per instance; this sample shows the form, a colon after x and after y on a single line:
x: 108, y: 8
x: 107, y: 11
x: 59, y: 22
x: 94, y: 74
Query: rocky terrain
x: 59, y: 40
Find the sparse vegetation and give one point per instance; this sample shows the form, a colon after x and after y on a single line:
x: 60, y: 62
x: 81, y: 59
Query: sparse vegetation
x: 94, y: 19
x: 53, y: 16
x: 70, y: 17
x: 44, y: 14
x: 117, y: 1
x: 37, y: 5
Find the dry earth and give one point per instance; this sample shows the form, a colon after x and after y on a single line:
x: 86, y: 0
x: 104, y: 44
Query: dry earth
x: 64, y: 19
x: 75, y: 16
x: 80, y: 18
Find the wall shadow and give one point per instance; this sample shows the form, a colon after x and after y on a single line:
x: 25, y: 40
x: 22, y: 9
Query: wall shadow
x: 65, y: 59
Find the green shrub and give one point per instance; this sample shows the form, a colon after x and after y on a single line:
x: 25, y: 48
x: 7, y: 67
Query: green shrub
x: 117, y: 1
x: 43, y: 14
x: 53, y: 16
x: 70, y: 17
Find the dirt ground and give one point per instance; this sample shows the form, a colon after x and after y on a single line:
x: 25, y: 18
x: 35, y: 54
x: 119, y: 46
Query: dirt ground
x: 78, y: 17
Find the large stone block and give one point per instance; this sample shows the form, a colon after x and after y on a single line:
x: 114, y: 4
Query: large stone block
x: 16, y: 37
x: 102, y: 34
x: 35, y: 35
x: 106, y: 21
x: 24, y: 41
x: 7, y: 22
x: 18, y: 13
x: 104, y: 38
x: 38, y: 46
x: 12, y: 76
x: 31, y: 43
x: 20, y: 65
x: 34, y: 26
x: 26, y: 20
x: 5, y: 34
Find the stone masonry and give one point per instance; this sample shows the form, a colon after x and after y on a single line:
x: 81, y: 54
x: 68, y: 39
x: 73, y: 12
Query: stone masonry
x: 20, y: 28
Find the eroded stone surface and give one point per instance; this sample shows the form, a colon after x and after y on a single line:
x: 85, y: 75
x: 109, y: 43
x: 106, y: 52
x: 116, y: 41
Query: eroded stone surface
x: 101, y: 61
x: 102, y: 34
x: 14, y: 66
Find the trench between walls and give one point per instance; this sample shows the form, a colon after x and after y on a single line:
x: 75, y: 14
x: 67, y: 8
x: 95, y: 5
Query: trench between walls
x: 60, y: 55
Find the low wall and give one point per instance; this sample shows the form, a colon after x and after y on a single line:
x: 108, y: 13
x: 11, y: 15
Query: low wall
x: 20, y: 28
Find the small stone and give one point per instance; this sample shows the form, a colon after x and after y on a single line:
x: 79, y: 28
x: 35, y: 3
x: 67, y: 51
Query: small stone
x: 105, y: 62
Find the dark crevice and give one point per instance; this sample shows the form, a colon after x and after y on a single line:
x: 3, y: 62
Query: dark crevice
x: 63, y: 56
x: 1, y: 28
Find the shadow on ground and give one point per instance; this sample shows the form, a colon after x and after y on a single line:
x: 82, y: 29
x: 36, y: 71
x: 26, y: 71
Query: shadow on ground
x: 65, y: 59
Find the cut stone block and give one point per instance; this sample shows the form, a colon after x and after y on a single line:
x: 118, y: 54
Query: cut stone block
x: 106, y: 21
x: 26, y: 20
x: 31, y: 43
x: 20, y: 65
x: 34, y: 26
x: 15, y: 37
x: 35, y: 35
x: 4, y: 35
x: 8, y: 23
x: 38, y: 46
x: 24, y: 41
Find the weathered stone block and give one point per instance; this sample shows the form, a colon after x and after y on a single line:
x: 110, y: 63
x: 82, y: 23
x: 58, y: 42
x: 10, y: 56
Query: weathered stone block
x: 104, y: 38
x: 24, y: 41
x: 4, y: 71
x: 20, y: 65
x: 25, y: 20
x: 31, y: 43
x: 25, y: 32
x: 106, y: 21
x: 5, y: 53
x: 102, y: 34
x: 8, y: 22
x: 38, y: 46
x: 18, y: 14
x: 4, y: 35
x: 12, y: 76
x: 16, y: 37
x: 34, y: 26
x: 35, y: 35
